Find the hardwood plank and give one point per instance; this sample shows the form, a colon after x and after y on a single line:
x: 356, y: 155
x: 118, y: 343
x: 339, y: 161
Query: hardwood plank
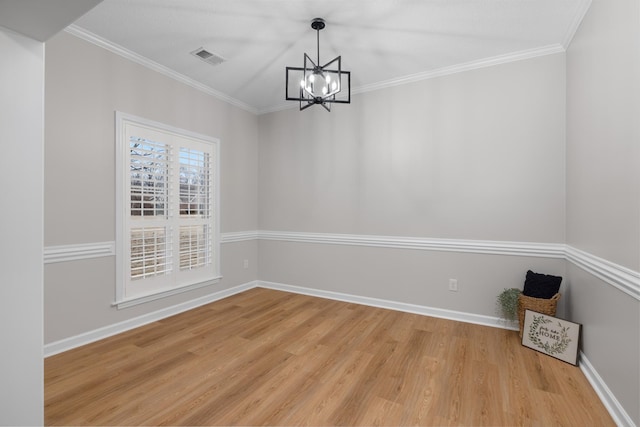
x: 266, y: 357
x: 332, y: 382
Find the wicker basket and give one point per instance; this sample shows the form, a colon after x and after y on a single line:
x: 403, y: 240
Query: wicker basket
x: 541, y: 305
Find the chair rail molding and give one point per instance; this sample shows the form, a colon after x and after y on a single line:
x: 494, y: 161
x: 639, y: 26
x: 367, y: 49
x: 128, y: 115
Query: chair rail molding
x: 78, y: 251
x: 547, y: 250
x: 620, y: 277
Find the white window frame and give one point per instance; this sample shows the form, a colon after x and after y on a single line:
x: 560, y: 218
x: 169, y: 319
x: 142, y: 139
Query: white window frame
x: 177, y: 280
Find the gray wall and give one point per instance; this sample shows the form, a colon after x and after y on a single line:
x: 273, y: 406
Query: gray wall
x: 603, y: 187
x: 476, y: 155
x: 21, y: 139
x: 85, y: 85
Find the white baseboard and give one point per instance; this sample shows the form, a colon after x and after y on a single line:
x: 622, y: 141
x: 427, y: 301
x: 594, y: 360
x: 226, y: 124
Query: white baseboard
x: 617, y: 412
x: 460, y: 316
x: 117, y: 328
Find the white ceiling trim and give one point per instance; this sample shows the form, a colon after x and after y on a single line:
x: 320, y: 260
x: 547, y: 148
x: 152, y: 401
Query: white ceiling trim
x: 571, y: 31
x: 482, y: 63
x: 144, y: 61
x: 460, y: 68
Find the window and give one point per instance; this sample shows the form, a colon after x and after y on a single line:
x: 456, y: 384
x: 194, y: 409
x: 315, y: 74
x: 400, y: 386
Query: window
x: 167, y: 232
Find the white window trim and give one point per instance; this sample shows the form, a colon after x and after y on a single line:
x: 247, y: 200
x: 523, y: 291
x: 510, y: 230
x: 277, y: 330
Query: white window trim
x: 123, y: 206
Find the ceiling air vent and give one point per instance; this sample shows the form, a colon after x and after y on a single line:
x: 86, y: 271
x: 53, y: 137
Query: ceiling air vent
x: 208, y: 57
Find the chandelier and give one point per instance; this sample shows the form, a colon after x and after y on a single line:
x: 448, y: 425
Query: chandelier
x: 316, y: 84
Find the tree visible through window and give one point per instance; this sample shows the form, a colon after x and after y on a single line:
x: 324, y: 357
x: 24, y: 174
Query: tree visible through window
x: 195, y: 167
x: 167, y: 211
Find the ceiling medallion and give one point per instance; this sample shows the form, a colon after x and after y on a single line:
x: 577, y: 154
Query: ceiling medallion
x: 315, y: 84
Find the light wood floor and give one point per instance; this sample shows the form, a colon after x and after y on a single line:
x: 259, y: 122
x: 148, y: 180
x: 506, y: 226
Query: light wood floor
x: 266, y: 357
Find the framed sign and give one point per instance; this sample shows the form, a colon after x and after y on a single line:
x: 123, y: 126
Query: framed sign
x: 550, y: 335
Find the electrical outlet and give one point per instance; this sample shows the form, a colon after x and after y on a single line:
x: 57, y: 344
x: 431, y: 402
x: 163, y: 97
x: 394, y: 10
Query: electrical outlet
x: 453, y: 285
x: 246, y: 263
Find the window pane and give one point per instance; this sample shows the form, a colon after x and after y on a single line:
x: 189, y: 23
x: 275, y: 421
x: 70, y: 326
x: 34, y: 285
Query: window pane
x: 194, y: 183
x: 150, y: 252
x: 148, y: 170
x: 195, y: 246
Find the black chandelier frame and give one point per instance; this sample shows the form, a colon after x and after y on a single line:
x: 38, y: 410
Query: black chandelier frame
x: 311, y: 68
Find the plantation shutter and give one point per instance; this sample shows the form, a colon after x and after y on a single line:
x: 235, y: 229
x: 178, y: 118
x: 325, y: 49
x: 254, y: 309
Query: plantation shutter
x: 168, y: 225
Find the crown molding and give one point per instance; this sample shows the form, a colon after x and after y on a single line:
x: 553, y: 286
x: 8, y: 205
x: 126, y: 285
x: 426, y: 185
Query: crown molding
x: 583, y: 8
x: 460, y: 68
x: 146, y: 62
x: 285, y: 105
x: 482, y: 63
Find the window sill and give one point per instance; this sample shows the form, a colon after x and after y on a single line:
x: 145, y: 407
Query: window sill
x: 130, y: 302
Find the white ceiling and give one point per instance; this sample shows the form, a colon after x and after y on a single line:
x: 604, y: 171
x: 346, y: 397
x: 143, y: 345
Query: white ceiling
x: 382, y: 42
